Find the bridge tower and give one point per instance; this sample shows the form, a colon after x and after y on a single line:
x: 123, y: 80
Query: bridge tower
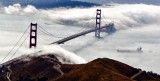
x: 98, y: 23
x: 33, y: 35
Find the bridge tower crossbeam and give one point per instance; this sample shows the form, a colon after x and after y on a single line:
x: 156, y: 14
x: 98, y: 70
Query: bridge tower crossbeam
x: 33, y: 35
x: 98, y: 23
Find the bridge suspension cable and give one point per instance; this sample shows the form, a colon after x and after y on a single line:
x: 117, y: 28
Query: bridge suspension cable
x: 97, y: 29
x: 47, y: 33
x: 112, y: 21
x: 15, y: 45
x: 87, y: 29
x: 104, y: 18
x: 50, y: 34
x: 19, y: 47
x: 88, y: 26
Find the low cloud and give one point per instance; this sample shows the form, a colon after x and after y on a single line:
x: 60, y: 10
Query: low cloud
x: 124, y: 16
x: 144, y: 18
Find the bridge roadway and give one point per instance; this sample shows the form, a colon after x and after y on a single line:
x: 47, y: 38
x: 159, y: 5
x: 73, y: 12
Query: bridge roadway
x: 62, y: 41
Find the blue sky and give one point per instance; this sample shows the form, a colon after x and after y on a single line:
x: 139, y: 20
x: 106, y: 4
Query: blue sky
x: 92, y: 1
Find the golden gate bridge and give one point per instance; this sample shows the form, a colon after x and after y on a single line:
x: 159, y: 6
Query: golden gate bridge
x: 34, y: 27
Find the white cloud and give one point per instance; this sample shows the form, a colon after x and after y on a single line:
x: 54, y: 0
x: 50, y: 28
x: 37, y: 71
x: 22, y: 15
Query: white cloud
x: 63, y: 55
x: 145, y: 19
x: 16, y: 9
x: 30, y: 10
x: 124, y: 16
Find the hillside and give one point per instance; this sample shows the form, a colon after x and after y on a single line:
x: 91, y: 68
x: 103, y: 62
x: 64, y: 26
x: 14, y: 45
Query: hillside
x: 49, y: 68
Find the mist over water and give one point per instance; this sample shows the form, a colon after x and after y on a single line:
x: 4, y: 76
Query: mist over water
x: 137, y: 26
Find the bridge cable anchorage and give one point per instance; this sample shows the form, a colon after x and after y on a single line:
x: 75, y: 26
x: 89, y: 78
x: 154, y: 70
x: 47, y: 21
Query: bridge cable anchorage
x: 19, y: 47
x: 15, y: 45
x: 48, y: 33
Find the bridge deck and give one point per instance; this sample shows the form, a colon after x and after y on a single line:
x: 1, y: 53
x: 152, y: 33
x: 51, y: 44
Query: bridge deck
x: 62, y: 41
